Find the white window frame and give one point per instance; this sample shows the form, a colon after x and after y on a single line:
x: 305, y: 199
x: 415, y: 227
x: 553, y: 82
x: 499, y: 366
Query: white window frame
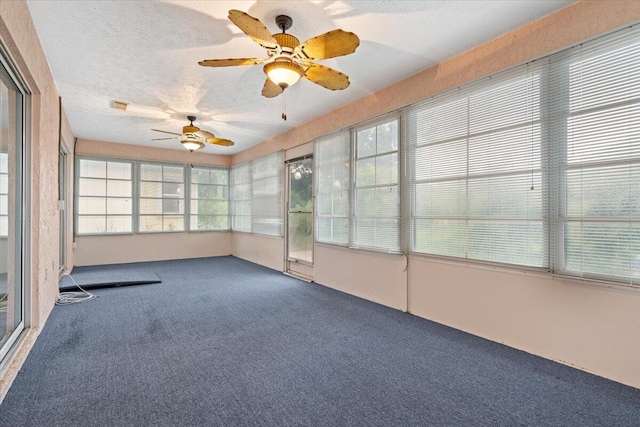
x: 192, y: 199
x: 356, y: 241
x: 4, y: 216
x: 529, y: 163
x: 234, y: 213
x: 78, y: 196
x: 183, y: 199
x: 342, y: 137
x: 267, y: 208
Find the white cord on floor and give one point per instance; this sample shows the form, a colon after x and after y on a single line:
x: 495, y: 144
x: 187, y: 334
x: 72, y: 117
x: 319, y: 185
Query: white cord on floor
x: 66, y: 298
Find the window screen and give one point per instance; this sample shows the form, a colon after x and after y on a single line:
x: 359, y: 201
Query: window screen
x: 241, y: 197
x: 104, y: 197
x: 209, y: 205
x: 332, y: 163
x: 4, y: 195
x: 266, y: 195
x: 161, y: 198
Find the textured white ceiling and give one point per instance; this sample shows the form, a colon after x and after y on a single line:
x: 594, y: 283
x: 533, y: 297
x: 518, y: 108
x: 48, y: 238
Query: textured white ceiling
x: 147, y: 52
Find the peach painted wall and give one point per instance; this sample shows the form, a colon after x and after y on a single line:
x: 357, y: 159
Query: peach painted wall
x: 97, y: 250
x: 375, y: 276
x: 88, y: 147
x: 588, y: 326
x: 593, y: 327
x: 19, y: 37
x: 263, y: 250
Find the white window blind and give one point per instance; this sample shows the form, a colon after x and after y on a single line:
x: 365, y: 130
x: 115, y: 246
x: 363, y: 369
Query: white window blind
x: 241, y: 197
x: 266, y: 195
x: 4, y: 195
x: 332, y: 177
x: 162, y: 198
x: 376, y: 218
x: 476, y: 185
x: 209, y: 198
x: 104, y: 197
x: 598, y: 100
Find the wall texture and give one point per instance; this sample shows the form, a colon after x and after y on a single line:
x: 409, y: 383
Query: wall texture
x: 19, y: 37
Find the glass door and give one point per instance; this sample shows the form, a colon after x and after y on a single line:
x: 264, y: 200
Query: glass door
x: 12, y: 202
x: 300, y: 218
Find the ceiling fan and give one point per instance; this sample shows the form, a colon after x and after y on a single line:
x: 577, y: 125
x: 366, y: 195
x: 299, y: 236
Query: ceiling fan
x: 193, y: 138
x: 288, y: 59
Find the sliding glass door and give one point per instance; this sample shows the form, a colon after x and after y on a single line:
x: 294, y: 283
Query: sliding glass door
x: 12, y: 205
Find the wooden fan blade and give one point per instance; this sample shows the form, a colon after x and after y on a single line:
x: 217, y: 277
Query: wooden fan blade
x: 253, y: 28
x: 163, y: 139
x: 220, y: 141
x: 230, y: 62
x: 164, y: 131
x: 326, y: 77
x: 205, y: 134
x: 270, y: 89
x: 328, y: 45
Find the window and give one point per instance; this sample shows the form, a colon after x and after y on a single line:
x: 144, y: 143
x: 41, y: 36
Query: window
x: 4, y: 195
x: 104, y: 197
x: 333, y: 184
x: 266, y: 195
x: 476, y: 182
x: 161, y: 198
x: 241, y: 197
x: 256, y: 196
x: 363, y: 210
x: 599, y: 166
x: 376, y: 218
x: 209, y: 199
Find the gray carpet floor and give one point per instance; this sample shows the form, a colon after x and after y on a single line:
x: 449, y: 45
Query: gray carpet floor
x: 224, y: 342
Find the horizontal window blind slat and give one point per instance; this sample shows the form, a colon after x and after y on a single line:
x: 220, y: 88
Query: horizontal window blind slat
x: 480, y: 195
x: 332, y: 188
x: 266, y: 195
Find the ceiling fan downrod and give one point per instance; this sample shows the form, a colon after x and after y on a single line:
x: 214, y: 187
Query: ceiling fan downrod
x: 284, y: 22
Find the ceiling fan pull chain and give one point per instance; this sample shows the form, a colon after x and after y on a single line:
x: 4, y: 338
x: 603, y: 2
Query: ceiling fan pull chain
x: 284, y: 105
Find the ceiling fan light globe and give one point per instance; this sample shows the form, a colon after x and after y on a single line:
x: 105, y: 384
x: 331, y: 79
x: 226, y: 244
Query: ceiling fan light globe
x: 192, y: 144
x: 283, y: 73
